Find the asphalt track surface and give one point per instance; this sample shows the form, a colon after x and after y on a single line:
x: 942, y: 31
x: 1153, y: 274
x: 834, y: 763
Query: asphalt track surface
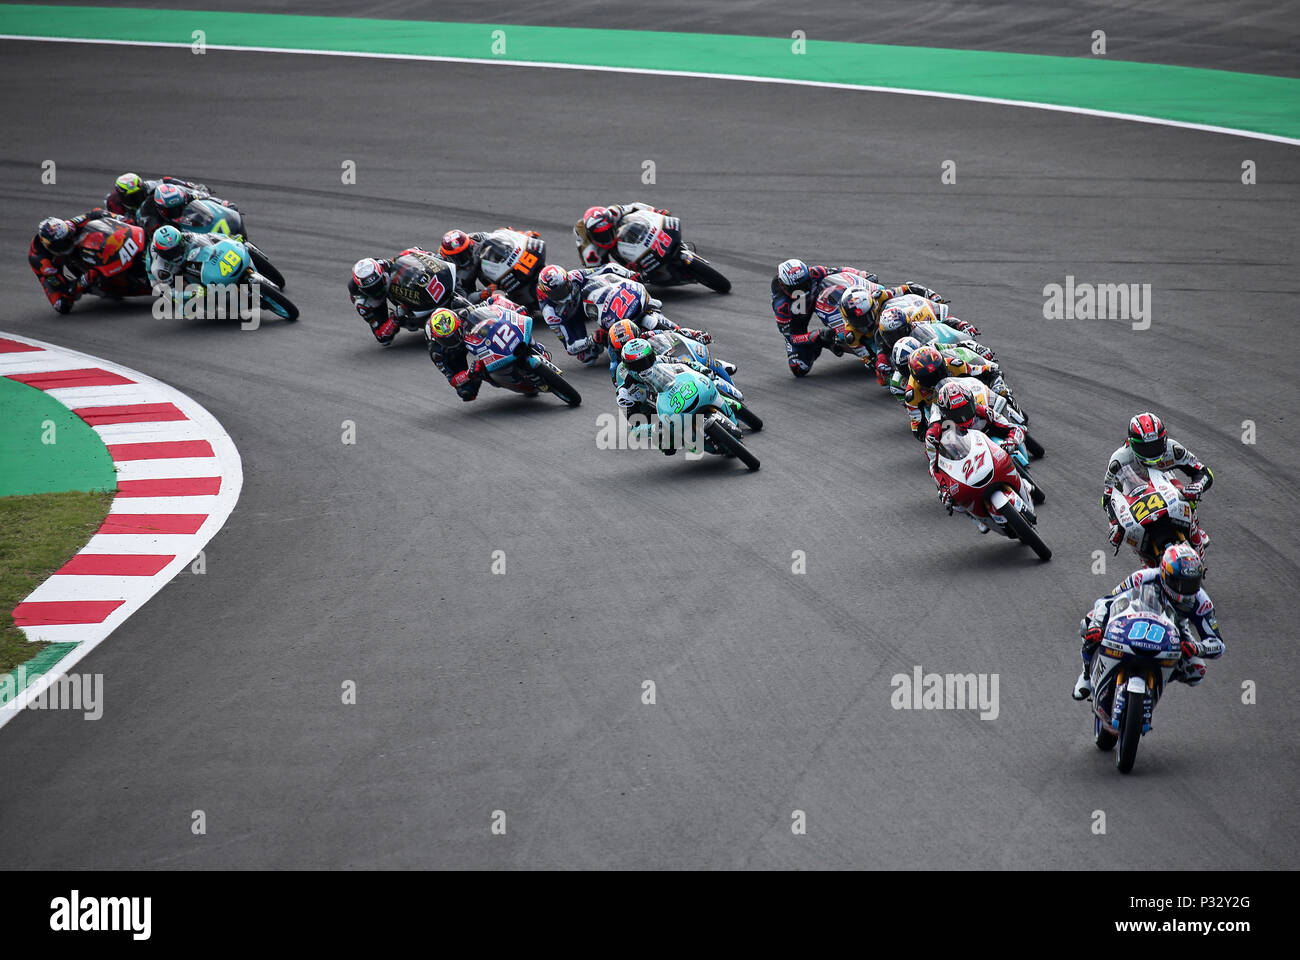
x: 522, y: 692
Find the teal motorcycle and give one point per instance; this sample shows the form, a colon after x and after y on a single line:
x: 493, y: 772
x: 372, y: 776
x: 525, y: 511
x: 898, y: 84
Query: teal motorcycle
x: 690, y: 406
x: 227, y: 261
x: 212, y: 216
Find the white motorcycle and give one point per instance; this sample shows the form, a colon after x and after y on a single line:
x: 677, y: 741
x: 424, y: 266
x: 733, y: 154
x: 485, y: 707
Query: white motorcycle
x: 1153, y: 510
x: 652, y: 245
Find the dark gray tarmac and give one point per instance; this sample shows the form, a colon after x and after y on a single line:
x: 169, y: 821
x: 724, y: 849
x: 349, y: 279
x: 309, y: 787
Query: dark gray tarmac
x: 522, y: 693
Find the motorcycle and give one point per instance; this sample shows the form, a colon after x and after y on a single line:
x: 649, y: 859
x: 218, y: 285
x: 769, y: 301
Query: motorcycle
x: 212, y: 216
x: 512, y: 261
x: 651, y: 244
x: 114, y: 250
x: 683, y: 396
x: 986, y: 483
x: 1153, y: 511
x: 421, y: 283
x: 500, y: 344
x: 674, y: 347
x: 227, y: 262
x: 1139, y: 652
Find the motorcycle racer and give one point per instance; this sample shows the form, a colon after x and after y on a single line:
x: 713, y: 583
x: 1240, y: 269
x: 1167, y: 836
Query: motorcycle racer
x: 624, y: 299
x: 959, y: 406
x: 796, y: 288
x: 1179, y: 576
x: 883, y: 315
x: 928, y: 366
x: 368, y: 289
x: 167, y: 203
x: 460, y: 249
x: 130, y: 190
x: 636, y: 395
x: 596, y: 234
x: 445, y: 333
x: 1149, y: 445
x: 560, y: 294
x: 49, y: 257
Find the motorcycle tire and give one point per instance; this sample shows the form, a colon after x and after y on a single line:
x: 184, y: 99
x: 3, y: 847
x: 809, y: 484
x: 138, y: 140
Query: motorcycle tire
x: 1103, y: 738
x: 1130, y: 733
x: 265, y: 267
x: 1024, y: 532
x: 1034, y: 448
x: 705, y: 274
x: 559, y: 386
x: 723, y: 439
x: 749, y: 418
x: 277, y: 303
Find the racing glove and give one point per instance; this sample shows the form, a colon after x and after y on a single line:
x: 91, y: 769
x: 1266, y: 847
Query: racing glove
x: 464, y: 385
x: 700, y: 336
x: 1116, y: 536
x: 884, y: 369
x: 1193, y: 491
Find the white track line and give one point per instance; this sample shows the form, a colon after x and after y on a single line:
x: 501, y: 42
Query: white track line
x: 1082, y: 111
x: 213, y: 509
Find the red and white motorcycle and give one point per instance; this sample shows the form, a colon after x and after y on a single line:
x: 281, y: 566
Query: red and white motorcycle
x: 984, y: 482
x: 651, y: 244
x: 1151, y: 507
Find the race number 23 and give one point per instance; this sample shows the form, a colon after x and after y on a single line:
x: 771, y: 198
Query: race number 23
x: 1144, y: 508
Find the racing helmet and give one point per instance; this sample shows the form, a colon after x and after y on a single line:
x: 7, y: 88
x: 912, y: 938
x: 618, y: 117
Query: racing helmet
x: 602, y: 226
x: 638, y: 355
x: 858, y: 308
x: 457, y: 249
x: 956, y: 403
x: 444, y: 328
x: 927, y: 366
x: 893, y: 326
x: 793, y: 275
x: 903, y: 351
x: 170, y: 200
x: 129, y: 189
x: 554, y: 285
x: 56, y: 234
x: 370, y: 277
x: 1181, y: 575
x: 1147, y: 438
x: 622, y: 333
x: 168, y: 244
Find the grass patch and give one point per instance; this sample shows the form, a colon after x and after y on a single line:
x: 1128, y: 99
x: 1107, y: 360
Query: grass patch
x: 39, y: 534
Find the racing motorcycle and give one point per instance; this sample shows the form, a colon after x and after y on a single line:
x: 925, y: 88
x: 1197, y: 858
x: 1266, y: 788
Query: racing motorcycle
x: 984, y: 482
x: 1139, y: 652
x: 112, y: 252
x: 500, y: 342
x: 421, y: 283
x: 227, y: 262
x: 212, y: 216
x: 651, y: 244
x: 675, y: 347
x: 512, y: 261
x: 1153, y: 510
x: 684, y: 396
